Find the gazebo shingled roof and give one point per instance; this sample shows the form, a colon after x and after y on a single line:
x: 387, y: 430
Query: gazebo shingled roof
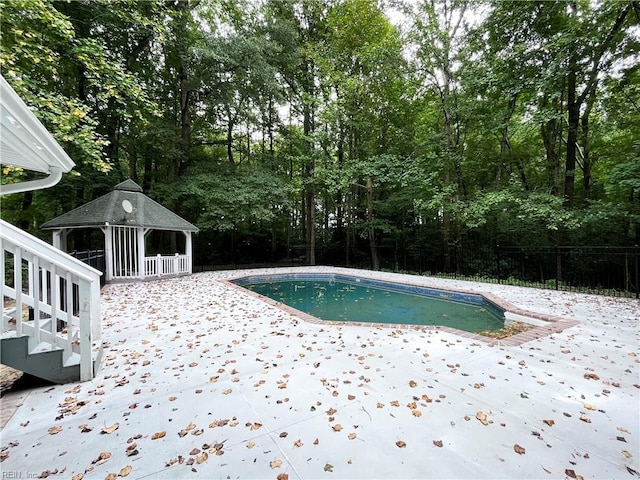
x: 108, y: 210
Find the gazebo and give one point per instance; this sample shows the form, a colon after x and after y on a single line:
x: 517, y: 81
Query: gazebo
x: 126, y: 216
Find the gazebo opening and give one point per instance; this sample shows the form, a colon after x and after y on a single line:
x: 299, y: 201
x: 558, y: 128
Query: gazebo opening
x: 141, y: 238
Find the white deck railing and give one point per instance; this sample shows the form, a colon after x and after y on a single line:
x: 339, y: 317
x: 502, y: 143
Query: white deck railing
x: 49, y: 296
x: 161, y: 265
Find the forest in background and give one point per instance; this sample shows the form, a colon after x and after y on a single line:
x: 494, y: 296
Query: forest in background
x: 329, y: 131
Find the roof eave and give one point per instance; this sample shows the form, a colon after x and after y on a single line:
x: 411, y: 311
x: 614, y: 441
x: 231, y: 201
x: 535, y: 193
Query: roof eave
x: 27, y: 144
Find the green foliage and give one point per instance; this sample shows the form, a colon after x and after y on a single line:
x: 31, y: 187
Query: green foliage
x: 277, y: 118
x: 224, y: 197
x: 37, y: 41
x: 532, y: 218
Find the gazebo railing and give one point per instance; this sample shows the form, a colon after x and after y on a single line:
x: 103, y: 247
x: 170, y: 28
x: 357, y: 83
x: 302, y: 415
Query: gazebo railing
x: 49, y: 296
x: 162, y: 265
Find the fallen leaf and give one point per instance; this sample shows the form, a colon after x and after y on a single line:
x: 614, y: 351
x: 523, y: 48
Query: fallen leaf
x: 589, y: 407
x: 158, y: 435
x: 282, y: 476
x: 482, y: 418
x: 315, y: 442
x: 251, y: 444
x: 55, y: 430
x: 202, y: 458
x: 328, y: 467
x: 401, y: 444
x: 110, y: 429
x: 195, y: 451
x: 103, y: 457
x: 298, y: 443
x: 626, y: 453
x: 351, y: 397
x: 416, y: 413
x: 218, y: 448
x: 438, y: 443
x: 570, y: 473
x: 590, y: 376
x: 78, y: 476
x: 46, y: 473
x: 125, y: 471
x: 111, y: 476
x: 585, y: 419
x: 549, y: 422
x: 337, y: 427
x: 283, y: 435
x: 518, y: 449
x: 331, y: 411
x: 275, y: 464
x: 352, y: 436
x: 413, y: 384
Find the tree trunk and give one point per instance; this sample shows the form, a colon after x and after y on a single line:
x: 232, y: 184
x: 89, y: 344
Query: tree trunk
x: 309, y: 191
x: 27, y: 200
x: 505, y: 145
x: 340, y: 194
x: 230, y: 123
x: 310, y: 215
x: 274, y: 240
x: 549, y: 133
x: 180, y: 159
x: 148, y: 170
x: 573, y: 110
x: 375, y: 260
x: 586, y: 153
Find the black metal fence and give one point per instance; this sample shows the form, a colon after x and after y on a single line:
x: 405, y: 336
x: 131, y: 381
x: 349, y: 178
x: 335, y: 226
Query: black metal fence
x: 610, y: 271
x: 93, y: 258
x: 605, y: 270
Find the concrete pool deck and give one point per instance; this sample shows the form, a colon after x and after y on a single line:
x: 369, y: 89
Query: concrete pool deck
x: 202, y: 380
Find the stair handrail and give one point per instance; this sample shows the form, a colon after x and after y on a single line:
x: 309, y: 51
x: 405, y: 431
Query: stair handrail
x: 89, y: 285
x: 48, y: 252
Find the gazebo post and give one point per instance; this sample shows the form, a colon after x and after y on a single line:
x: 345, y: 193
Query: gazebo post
x: 59, y: 239
x: 108, y: 252
x: 141, y: 252
x: 188, y: 250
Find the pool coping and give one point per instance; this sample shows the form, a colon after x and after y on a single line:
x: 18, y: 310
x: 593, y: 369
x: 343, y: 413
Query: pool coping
x: 554, y: 323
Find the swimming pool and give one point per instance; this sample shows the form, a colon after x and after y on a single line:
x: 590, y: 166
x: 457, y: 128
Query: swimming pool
x: 332, y: 297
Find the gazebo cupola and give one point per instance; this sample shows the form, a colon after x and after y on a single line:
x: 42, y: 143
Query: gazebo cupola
x: 126, y: 216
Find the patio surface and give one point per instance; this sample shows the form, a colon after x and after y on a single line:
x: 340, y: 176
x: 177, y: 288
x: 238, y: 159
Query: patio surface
x: 202, y: 380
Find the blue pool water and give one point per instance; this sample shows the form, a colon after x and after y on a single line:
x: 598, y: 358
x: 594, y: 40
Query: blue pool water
x: 352, y: 299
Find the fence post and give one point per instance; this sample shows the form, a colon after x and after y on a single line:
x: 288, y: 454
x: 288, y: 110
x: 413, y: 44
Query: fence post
x: 498, y: 262
x: 558, y: 265
x: 637, y: 276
